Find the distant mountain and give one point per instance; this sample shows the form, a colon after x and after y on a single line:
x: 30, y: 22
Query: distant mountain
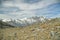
x: 28, y: 21
x: 4, y: 24
x: 24, y: 21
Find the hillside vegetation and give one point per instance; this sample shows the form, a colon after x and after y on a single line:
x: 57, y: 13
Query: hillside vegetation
x: 49, y: 30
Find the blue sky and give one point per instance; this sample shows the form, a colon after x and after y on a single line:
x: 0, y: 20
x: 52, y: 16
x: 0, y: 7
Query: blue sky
x: 17, y: 9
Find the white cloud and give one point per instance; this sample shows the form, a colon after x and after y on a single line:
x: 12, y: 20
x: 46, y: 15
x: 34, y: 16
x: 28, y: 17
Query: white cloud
x: 3, y: 16
x: 26, y: 7
x: 22, y: 14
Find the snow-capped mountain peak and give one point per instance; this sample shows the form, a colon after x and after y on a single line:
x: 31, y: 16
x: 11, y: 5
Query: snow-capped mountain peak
x: 24, y: 21
x: 6, y: 20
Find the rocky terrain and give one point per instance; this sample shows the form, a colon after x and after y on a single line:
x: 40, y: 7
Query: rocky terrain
x: 49, y: 30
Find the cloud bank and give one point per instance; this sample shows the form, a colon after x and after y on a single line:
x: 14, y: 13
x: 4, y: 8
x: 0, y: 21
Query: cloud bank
x: 28, y: 8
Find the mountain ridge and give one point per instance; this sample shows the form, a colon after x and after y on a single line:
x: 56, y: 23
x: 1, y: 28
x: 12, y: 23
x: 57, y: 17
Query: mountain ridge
x: 24, y: 21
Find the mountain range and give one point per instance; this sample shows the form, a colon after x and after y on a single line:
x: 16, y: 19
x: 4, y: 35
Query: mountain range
x: 24, y: 21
